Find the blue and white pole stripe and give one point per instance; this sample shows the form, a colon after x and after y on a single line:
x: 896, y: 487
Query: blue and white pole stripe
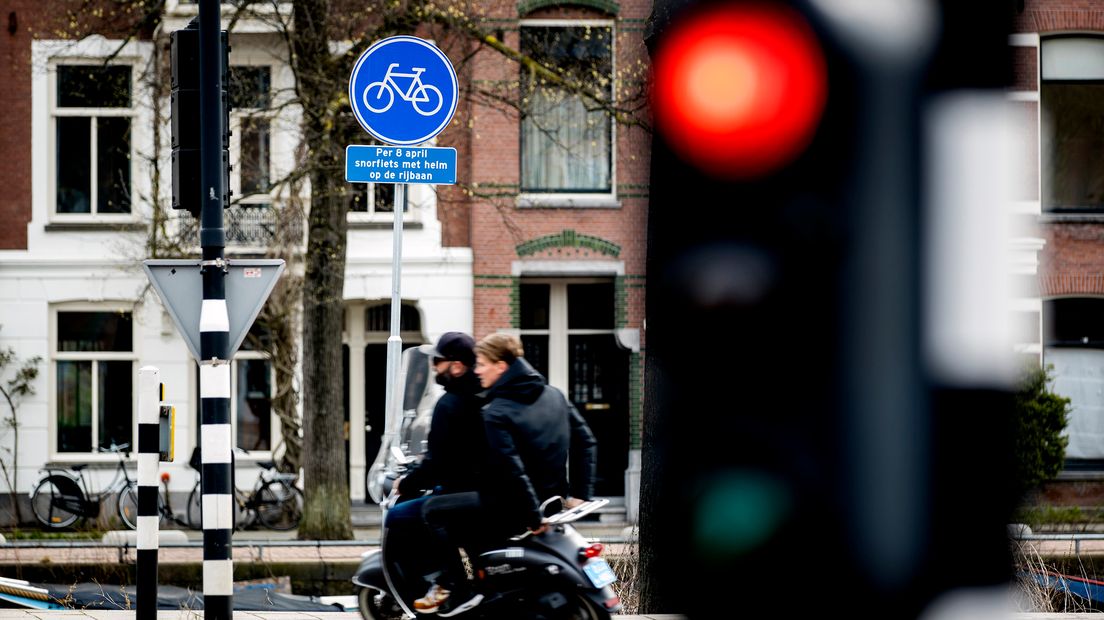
x: 149, y: 405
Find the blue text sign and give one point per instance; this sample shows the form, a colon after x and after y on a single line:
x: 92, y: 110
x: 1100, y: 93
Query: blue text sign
x: 400, y: 164
x: 403, y: 90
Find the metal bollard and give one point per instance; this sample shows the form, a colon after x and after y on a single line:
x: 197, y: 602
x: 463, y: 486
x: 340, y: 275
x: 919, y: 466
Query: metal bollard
x: 149, y: 399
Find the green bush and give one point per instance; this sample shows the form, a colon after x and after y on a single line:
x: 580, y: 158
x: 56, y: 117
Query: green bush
x: 1040, y: 417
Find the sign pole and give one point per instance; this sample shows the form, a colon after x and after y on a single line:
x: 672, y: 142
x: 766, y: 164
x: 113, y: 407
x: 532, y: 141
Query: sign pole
x: 394, y: 341
x: 402, y: 118
x: 214, y: 327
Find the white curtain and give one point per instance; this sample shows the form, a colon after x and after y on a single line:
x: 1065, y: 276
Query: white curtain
x: 565, y: 147
x: 1079, y: 376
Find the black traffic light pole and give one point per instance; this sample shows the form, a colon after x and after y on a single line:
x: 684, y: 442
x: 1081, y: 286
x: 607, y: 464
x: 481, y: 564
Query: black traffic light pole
x: 819, y: 422
x: 214, y: 326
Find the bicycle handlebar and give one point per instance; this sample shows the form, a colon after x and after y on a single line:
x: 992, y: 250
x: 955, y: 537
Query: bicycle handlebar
x: 116, y: 448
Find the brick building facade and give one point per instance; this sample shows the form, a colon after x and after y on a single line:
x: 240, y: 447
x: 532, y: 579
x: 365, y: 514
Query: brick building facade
x: 564, y: 252
x: 1058, y: 61
x: 547, y: 243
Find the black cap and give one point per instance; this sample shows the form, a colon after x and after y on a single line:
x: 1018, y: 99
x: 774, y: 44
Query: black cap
x: 455, y: 347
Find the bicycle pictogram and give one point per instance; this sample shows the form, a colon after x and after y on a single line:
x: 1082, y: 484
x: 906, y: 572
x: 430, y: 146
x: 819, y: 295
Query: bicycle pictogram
x: 418, y: 74
x: 417, y: 93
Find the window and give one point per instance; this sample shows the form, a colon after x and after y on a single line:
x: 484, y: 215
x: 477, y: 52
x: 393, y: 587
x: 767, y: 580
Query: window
x: 252, y: 399
x: 250, y: 98
x: 1074, y: 345
x: 252, y: 382
x: 1071, y: 94
x: 375, y: 198
x: 567, y: 330
x: 252, y: 222
x: 92, y: 138
x: 566, y: 137
x: 94, y: 371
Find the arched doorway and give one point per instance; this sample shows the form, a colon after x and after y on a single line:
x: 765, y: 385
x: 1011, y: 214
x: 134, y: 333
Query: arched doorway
x: 367, y: 327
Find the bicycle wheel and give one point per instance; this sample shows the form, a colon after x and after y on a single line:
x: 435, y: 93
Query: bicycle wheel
x: 57, y: 501
x: 128, y: 506
x: 379, y: 99
x: 279, y: 505
x: 426, y: 89
x: 244, y: 515
x: 194, y: 512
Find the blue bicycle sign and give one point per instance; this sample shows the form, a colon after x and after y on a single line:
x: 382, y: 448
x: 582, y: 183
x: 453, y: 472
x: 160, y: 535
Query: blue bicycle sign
x: 403, y: 90
x: 418, y: 92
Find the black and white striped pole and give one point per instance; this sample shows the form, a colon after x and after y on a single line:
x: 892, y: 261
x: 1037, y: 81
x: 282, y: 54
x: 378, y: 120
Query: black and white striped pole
x: 214, y: 328
x: 149, y: 448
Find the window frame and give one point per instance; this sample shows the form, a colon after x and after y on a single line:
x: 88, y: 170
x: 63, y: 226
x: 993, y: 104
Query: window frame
x: 599, y: 199
x: 237, y: 116
x: 410, y: 210
x: 54, y: 112
x: 274, y: 420
x: 275, y: 427
x: 375, y: 336
x: 93, y: 356
x: 1046, y: 179
x: 558, y: 331
x: 186, y: 8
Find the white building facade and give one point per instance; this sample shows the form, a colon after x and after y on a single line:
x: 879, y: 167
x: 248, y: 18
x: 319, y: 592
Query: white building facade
x: 78, y: 298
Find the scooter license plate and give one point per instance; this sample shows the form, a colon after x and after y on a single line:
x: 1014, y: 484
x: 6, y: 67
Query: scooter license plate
x: 599, y: 573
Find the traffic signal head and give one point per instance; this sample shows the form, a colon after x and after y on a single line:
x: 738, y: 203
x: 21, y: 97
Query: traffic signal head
x: 184, y: 46
x: 739, y: 88
x: 789, y: 221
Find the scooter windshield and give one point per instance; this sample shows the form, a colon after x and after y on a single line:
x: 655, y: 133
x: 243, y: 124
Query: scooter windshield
x: 408, y: 429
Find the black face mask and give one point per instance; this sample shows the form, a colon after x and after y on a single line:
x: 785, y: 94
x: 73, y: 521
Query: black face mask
x: 444, y: 379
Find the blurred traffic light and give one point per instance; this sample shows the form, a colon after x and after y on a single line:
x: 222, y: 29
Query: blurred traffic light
x: 804, y: 450
x: 184, y: 49
x: 739, y: 89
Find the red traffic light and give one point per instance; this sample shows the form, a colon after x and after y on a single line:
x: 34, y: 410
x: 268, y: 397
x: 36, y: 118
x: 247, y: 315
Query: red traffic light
x: 739, y: 90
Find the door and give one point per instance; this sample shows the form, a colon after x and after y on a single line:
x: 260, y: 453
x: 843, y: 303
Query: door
x: 567, y: 328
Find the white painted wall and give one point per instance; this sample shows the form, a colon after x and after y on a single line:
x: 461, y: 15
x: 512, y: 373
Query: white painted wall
x: 103, y: 266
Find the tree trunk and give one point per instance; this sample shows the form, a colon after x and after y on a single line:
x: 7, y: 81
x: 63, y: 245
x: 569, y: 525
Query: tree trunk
x: 326, y: 480
x: 649, y: 600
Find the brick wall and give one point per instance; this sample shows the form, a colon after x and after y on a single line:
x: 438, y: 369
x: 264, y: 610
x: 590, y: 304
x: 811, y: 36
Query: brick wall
x: 1058, y: 15
x: 1072, y: 261
x: 17, y: 19
x: 498, y: 226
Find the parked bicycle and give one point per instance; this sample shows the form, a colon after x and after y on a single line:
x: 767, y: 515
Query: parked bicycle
x: 63, y: 495
x: 128, y: 504
x: 274, y: 501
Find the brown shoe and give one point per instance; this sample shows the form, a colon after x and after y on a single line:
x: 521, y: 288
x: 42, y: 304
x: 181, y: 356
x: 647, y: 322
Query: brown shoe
x: 429, y: 603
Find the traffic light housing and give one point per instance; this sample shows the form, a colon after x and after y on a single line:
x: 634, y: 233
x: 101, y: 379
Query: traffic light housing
x: 796, y: 420
x: 184, y: 46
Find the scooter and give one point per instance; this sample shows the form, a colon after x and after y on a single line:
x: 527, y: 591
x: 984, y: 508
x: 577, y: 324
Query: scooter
x: 555, y: 575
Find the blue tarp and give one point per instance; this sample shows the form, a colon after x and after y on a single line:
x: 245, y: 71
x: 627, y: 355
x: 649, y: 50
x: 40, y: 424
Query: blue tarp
x: 113, y: 597
x: 1088, y: 589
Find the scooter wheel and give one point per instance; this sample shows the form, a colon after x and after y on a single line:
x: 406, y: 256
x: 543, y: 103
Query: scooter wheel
x: 376, y: 605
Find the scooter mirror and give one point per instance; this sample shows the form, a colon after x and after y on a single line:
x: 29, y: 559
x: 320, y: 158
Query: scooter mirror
x: 400, y: 457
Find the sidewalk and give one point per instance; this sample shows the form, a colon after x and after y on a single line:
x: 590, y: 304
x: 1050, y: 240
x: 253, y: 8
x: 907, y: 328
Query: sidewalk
x: 256, y: 551
x: 45, y: 615
x: 310, y: 560
x: 244, y: 551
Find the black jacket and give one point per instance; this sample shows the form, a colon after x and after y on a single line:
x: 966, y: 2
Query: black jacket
x: 456, y: 443
x: 531, y: 431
